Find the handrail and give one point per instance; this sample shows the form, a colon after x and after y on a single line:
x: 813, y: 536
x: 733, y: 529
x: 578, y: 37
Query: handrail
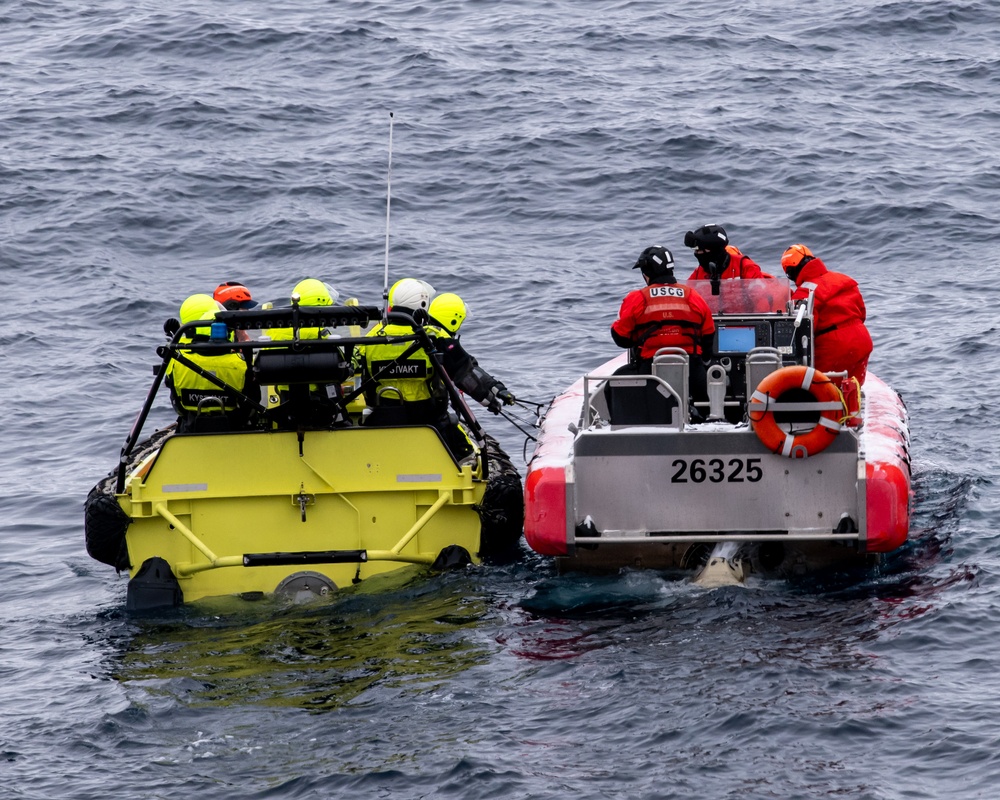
x: 420, y: 523
x: 586, y: 421
x: 294, y: 316
x: 640, y: 537
x: 184, y: 570
x: 213, y: 561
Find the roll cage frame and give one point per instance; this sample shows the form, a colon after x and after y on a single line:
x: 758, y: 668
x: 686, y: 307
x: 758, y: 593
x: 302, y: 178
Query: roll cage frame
x: 296, y: 318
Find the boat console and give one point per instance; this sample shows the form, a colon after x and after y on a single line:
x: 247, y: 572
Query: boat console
x: 741, y: 341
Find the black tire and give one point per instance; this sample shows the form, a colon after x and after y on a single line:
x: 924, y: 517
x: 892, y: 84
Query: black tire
x: 105, y: 523
x: 502, y: 509
x: 104, y: 527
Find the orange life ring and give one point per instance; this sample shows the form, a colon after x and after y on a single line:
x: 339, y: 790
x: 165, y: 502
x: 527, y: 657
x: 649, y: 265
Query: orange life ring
x: 761, y: 410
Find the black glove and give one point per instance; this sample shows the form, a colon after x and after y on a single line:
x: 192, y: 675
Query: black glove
x: 498, y: 394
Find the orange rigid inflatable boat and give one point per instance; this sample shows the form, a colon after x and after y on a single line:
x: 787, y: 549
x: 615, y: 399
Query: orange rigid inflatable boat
x: 771, y: 476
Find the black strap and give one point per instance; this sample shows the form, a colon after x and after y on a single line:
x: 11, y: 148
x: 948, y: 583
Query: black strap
x: 651, y: 328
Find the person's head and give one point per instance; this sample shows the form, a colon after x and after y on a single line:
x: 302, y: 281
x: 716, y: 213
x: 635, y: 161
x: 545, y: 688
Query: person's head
x: 234, y: 296
x: 794, y: 259
x: 709, y: 243
x: 657, y: 265
x: 195, y: 307
x: 410, y: 294
x: 198, y: 307
x: 313, y: 292
x: 449, y: 310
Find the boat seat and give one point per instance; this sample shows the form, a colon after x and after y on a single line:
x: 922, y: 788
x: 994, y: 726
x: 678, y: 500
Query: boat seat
x: 636, y: 400
x: 761, y: 362
x: 673, y: 366
x: 389, y: 409
x: 387, y: 416
x: 210, y: 423
x: 210, y: 417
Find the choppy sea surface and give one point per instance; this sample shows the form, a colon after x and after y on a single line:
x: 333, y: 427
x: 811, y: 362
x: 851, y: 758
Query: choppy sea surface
x: 149, y: 151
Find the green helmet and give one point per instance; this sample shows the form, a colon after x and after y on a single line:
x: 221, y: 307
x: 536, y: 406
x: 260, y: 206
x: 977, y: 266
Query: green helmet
x: 196, y: 306
x: 449, y: 310
x: 313, y: 292
x: 411, y: 293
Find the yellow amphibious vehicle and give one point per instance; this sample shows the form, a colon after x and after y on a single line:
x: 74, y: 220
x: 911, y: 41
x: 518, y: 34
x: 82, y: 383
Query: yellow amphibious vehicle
x: 314, y: 493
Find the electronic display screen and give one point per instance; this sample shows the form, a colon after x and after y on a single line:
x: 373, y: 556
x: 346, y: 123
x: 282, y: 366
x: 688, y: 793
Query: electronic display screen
x: 736, y: 339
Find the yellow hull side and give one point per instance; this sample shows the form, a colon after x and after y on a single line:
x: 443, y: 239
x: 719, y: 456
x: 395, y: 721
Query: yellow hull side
x: 203, y: 501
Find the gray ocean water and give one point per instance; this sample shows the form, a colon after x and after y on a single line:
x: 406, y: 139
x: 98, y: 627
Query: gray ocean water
x: 149, y: 151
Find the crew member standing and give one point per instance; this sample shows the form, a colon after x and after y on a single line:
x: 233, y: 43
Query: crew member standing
x: 841, y: 341
x: 664, y: 313
x: 447, y: 313
x: 717, y: 258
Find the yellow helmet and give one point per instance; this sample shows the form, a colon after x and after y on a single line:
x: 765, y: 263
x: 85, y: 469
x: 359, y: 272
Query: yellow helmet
x: 411, y: 293
x: 196, y: 306
x: 449, y: 310
x: 313, y: 292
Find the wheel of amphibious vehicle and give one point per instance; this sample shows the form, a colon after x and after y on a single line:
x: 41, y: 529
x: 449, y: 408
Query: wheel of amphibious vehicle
x: 502, y: 510
x: 302, y: 587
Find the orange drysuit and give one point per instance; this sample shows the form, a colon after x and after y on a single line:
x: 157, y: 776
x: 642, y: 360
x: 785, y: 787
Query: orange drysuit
x: 840, y: 339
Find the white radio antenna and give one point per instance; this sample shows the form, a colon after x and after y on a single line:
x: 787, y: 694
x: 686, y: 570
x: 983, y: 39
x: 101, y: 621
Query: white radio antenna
x: 388, y: 201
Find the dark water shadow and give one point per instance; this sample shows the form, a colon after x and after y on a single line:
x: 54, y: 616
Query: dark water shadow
x: 828, y: 617
x: 405, y: 631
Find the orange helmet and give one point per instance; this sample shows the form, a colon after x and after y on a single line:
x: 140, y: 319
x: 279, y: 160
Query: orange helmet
x: 796, y: 256
x: 234, y: 296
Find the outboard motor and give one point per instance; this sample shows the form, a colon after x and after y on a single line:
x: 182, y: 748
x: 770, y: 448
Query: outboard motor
x: 724, y: 567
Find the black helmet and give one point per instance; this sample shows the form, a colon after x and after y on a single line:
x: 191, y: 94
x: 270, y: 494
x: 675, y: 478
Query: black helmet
x: 655, y: 262
x: 708, y: 237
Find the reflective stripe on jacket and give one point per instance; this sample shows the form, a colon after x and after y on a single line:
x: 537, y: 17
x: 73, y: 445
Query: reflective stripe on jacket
x: 189, y: 388
x: 413, y: 376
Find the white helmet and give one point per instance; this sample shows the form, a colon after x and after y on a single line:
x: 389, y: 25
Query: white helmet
x: 411, y: 293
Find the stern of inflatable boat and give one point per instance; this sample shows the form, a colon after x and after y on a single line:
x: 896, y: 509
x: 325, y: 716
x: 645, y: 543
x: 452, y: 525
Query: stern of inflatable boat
x: 666, y: 495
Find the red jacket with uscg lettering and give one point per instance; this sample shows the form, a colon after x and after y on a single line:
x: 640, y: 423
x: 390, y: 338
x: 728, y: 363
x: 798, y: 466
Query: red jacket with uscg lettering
x: 664, y: 315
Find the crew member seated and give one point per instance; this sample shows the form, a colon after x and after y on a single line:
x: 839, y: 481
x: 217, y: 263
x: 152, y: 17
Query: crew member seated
x: 717, y: 258
x: 303, y: 403
x: 202, y: 405
x: 447, y: 313
x: 664, y: 313
x: 235, y: 296
x: 720, y: 261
